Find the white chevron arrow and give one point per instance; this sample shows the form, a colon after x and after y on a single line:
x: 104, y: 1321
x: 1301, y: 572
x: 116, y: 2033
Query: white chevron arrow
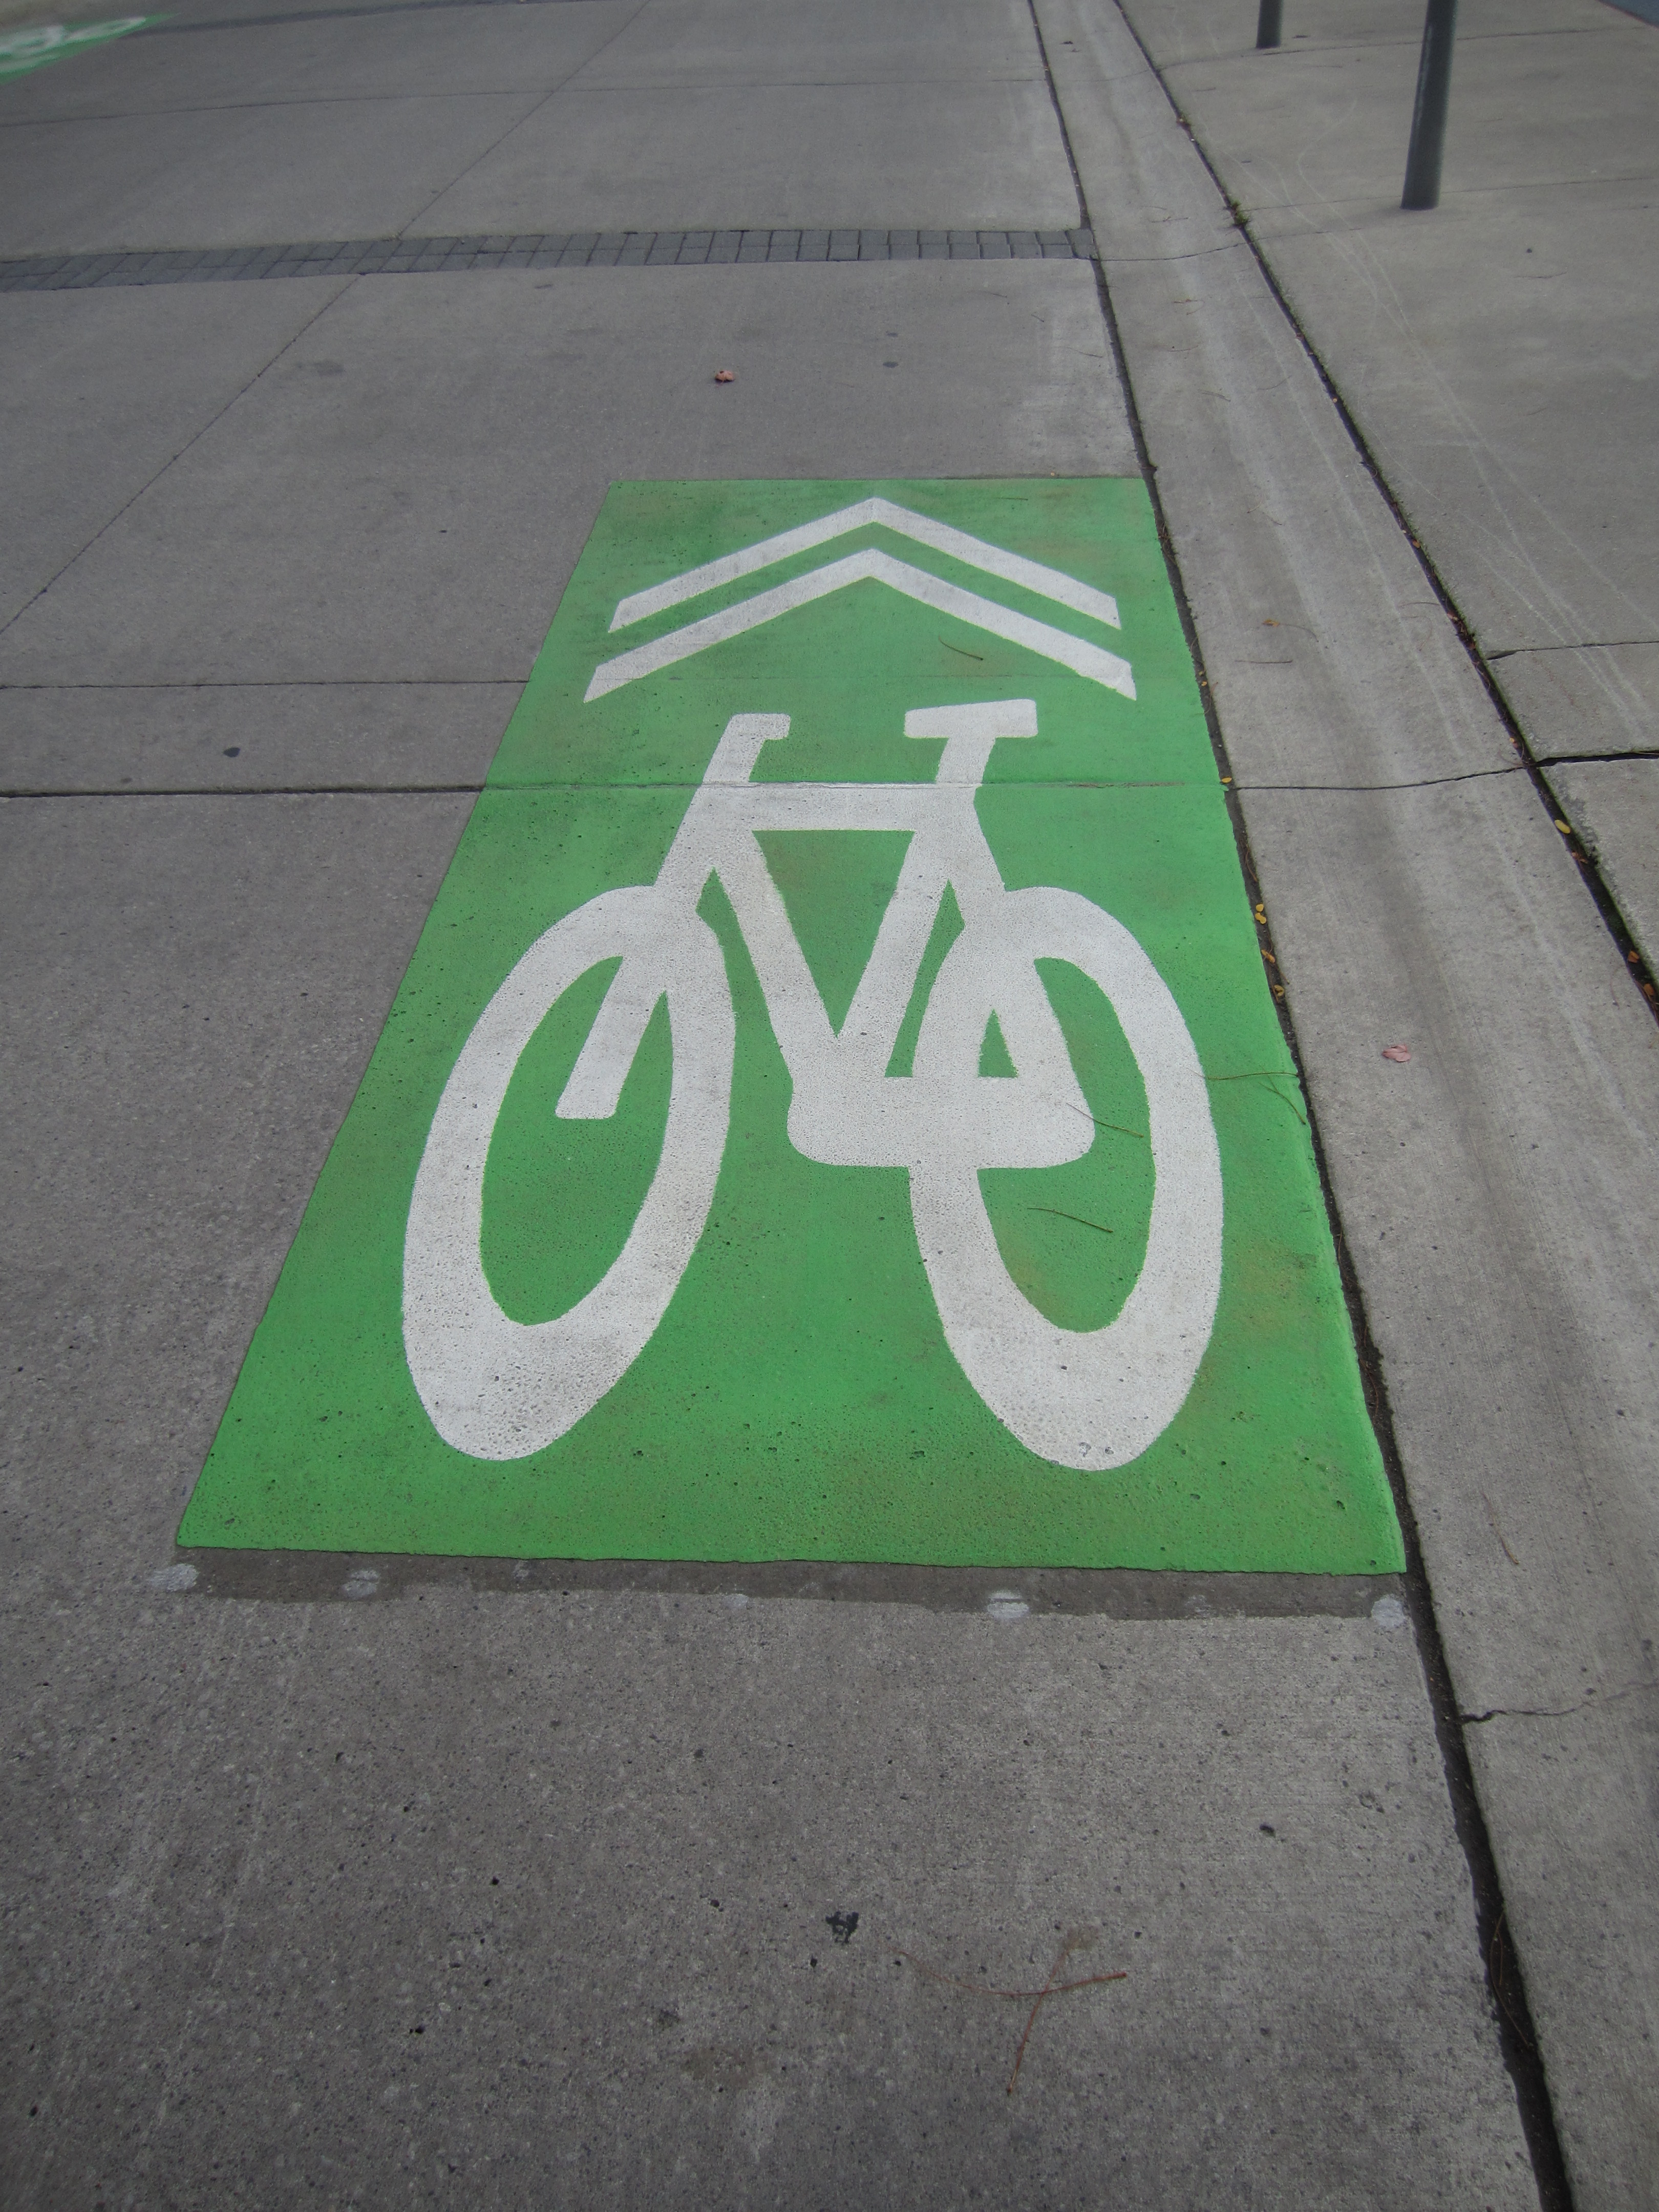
x: 1076, y: 653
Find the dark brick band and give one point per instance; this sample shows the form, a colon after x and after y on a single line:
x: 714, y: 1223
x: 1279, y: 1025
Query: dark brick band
x: 588, y: 249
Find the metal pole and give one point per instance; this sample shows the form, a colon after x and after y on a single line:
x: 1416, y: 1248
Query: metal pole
x: 1429, y: 115
x: 1270, y: 22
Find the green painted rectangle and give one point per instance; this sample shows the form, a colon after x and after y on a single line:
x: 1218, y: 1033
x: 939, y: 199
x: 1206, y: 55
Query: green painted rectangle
x: 862, y: 1259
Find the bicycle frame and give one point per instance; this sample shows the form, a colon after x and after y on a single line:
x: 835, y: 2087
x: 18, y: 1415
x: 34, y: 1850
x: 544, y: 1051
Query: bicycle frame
x: 846, y: 1110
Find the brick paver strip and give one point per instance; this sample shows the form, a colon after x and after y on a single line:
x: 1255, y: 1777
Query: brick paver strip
x: 419, y: 257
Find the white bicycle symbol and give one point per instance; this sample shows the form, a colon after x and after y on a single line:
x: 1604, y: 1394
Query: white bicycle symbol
x: 500, y: 1389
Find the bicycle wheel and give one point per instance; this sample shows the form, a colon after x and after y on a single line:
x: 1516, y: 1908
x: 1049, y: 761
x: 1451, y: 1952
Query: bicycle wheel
x: 497, y: 1389
x: 1084, y: 1398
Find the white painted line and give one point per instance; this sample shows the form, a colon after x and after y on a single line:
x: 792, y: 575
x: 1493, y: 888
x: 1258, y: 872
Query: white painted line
x: 182, y: 1576
x: 1006, y: 1605
x: 1088, y: 661
x: 1048, y: 583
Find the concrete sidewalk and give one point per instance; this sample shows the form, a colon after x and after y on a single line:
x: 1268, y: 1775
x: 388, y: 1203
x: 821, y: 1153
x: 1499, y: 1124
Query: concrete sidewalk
x: 1497, y: 359
x: 389, y: 1880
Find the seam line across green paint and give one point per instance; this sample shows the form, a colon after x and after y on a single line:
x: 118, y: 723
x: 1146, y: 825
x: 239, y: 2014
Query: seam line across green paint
x: 835, y: 1109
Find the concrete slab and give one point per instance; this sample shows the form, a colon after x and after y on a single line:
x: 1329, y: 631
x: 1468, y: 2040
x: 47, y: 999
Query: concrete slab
x: 439, y: 52
x: 715, y: 42
x: 1316, y: 126
x: 1450, y: 335
x: 964, y: 137
x: 1325, y: 648
x: 1583, y: 699
x: 1538, y: 513
x: 958, y: 154
x: 1614, y: 807
x: 234, y: 971
x: 1196, y: 30
x: 1327, y: 653
x: 1509, y: 1285
x: 251, y: 737
x: 650, y: 2001
x: 1527, y: 1421
x: 1600, y: 1808
x: 241, y: 176
x: 424, y: 533
x: 98, y: 396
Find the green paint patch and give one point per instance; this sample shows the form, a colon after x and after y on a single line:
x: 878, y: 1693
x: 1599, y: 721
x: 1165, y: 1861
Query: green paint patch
x: 32, y: 49
x: 994, y: 1057
x: 1073, y: 1236
x: 589, y: 1177
x: 799, y: 1139
x: 836, y: 885
x: 947, y: 927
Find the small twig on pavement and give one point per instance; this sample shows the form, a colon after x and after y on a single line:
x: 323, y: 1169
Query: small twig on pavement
x: 1060, y: 1214
x: 1077, y: 1940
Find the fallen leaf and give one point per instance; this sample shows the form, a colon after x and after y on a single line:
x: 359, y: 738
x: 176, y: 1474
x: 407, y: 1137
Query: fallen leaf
x: 726, y: 376
x: 1402, y: 1053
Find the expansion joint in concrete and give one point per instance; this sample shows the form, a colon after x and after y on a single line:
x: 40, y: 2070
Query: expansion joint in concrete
x: 1576, y: 760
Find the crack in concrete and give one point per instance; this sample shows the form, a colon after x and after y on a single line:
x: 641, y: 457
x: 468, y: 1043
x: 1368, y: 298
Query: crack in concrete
x: 1588, y: 1702
x: 1423, y: 783
x: 552, y: 92
x: 1582, y: 645
x: 174, y: 459
x: 1193, y: 253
